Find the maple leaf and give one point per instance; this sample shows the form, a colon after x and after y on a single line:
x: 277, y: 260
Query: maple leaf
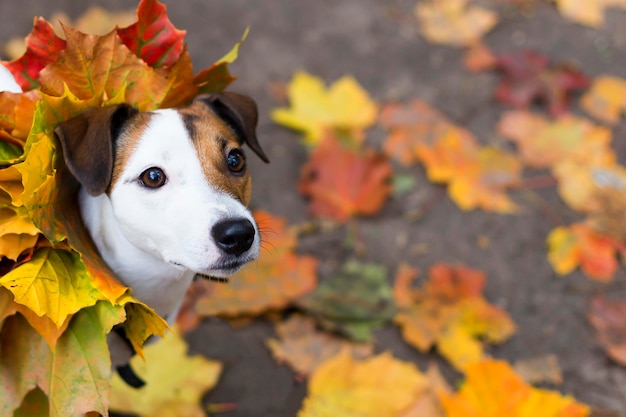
x: 477, y: 177
x: 273, y: 282
x: 73, y: 382
x: 102, y: 67
x: 16, y: 117
x: 589, y: 13
x: 17, y: 231
x: 579, y: 245
x: 450, y: 313
x: 543, y: 143
x: 527, y: 77
x: 607, y: 318
x: 606, y: 202
x: 354, y: 302
x: 342, y: 183
x: 453, y: 22
x: 304, y: 347
x: 42, y: 47
x: 175, y: 382
x: 316, y: 111
x: 606, y: 99
x: 153, y: 37
x: 414, y: 124
x: 381, y: 386
x: 492, y: 389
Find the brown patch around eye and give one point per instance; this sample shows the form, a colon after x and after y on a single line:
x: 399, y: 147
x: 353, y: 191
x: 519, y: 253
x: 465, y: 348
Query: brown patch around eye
x: 126, y: 144
x: 212, y: 138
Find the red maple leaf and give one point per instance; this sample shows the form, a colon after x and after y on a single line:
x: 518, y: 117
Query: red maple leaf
x: 43, y: 46
x: 529, y: 77
x: 153, y: 37
x: 343, y: 183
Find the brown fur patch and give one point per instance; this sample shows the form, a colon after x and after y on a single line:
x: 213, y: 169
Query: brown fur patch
x: 126, y: 144
x: 213, y: 139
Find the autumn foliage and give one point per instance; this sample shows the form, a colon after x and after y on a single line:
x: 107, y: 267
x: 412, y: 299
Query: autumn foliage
x: 58, y: 300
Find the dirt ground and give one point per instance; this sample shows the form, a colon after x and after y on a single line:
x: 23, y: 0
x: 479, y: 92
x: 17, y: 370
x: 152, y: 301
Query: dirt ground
x: 378, y: 42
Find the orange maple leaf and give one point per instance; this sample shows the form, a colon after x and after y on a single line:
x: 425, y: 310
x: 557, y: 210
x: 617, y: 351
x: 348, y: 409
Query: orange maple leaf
x: 343, y: 183
x: 276, y: 279
x: 543, y: 143
x: 493, y: 389
x: 579, y: 245
x: 450, y: 313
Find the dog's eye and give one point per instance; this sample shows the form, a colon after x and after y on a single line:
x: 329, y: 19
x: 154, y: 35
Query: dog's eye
x: 153, y: 177
x: 236, y: 160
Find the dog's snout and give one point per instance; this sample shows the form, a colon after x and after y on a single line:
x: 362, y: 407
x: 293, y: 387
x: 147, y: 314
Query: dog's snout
x: 234, y: 237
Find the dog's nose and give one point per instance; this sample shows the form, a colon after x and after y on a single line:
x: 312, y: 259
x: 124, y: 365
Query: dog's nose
x: 234, y: 236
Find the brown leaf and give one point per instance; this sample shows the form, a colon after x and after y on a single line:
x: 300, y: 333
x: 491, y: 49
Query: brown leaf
x: 608, y: 318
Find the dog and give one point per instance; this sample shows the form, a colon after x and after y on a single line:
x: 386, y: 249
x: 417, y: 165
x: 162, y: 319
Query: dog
x: 164, y: 196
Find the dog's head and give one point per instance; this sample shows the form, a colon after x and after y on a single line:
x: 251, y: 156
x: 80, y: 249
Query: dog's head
x: 177, y: 179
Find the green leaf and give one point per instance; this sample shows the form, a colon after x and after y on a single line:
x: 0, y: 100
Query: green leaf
x: 354, y: 302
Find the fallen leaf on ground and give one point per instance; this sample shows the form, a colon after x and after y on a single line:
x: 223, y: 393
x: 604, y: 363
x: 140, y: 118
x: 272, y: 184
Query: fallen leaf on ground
x: 528, y: 77
x: 477, y: 177
x: 317, y: 111
x: 479, y: 58
x: 343, y: 183
x: 274, y: 281
x: 543, y: 143
x: 416, y: 123
x: 606, y: 99
x: 429, y: 404
x: 175, y: 382
x: 492, y: 389
x: 304, y: 348
x: 449, y: 313
x: 381, y: 386
x: 608, y: 318
x: 354, y: 302
x: 454, y: 22
x: 589, y: 13
x: 579, y: 245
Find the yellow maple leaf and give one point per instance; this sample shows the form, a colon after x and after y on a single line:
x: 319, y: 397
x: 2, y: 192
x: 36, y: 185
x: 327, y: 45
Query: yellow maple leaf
x: 493, y: 389
x: 314, y: 110
x: 17, y: 231
x: 175, y: 382
x: 381, y: 386
x: 588, y: 13
x: 453, y: 22
x: 606, y: 98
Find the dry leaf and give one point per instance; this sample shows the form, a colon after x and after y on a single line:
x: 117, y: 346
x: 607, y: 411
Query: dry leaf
x: 378, y: 387
x: 304, y: 348
x: 492, y: 389
x: 579, y: 245
x: 608, y: 318
x: 317, y: 111
x: 454, y: 22
x: 342, y: 183
x: 589, y: 13
x: 449, y: 313
x: 606, y: 99
x: 175, y: 382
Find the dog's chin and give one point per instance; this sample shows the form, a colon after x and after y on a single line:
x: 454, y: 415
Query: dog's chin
x: 220, y: 271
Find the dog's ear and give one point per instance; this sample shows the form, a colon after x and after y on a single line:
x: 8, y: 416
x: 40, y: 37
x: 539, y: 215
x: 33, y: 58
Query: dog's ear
x: 88, y: 142
x: 240, y: 113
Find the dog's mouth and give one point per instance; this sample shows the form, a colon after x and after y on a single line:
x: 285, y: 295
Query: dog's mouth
x: 219, y: 272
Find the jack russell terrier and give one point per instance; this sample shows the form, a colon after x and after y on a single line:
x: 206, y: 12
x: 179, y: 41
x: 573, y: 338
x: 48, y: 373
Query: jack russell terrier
x: 163, y: 195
